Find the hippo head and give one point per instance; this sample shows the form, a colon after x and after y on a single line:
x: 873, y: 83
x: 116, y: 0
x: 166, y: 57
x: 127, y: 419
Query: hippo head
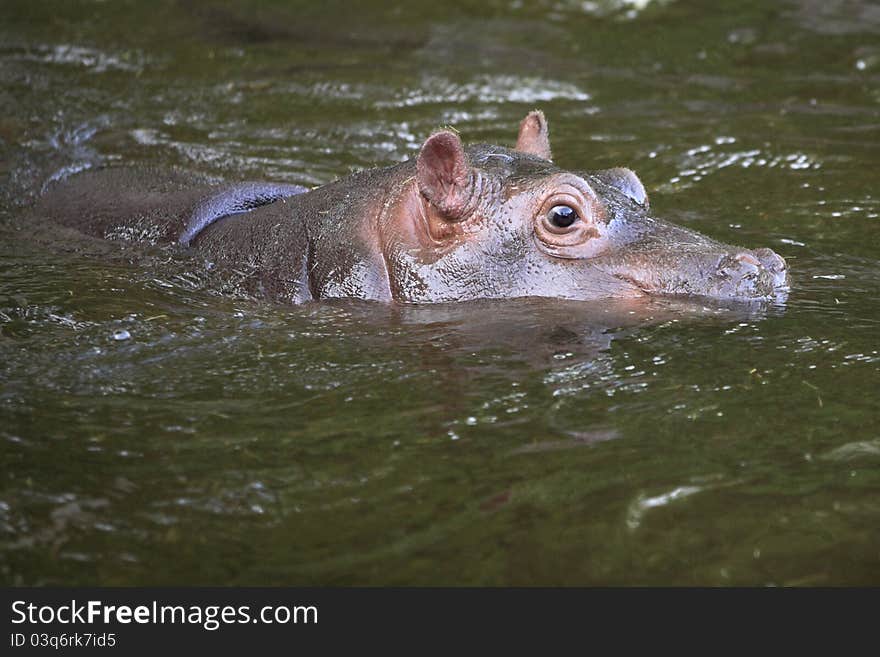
x: 491, y: 222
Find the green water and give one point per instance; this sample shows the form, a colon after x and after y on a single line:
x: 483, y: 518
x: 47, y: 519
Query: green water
x: 225, y: 440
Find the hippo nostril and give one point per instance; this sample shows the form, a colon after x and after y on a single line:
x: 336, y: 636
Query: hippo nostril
x: 772, y: 260
x: 738, y: 267
x: 748, y: 258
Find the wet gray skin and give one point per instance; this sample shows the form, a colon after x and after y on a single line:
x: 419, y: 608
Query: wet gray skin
x: 453, y: 224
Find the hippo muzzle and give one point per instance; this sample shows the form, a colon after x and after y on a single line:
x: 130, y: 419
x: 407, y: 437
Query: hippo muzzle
x: 703, y: 267
x: 752, y: 274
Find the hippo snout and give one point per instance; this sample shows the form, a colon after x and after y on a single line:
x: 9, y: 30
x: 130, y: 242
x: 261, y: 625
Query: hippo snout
x: 775, y: 264
x: 750, y: 274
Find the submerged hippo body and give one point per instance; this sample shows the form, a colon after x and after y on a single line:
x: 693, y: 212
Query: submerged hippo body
x: 453, y: 224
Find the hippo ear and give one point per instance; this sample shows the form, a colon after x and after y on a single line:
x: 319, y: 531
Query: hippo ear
x: 626, y: 181
x: 444, y: 176
x: 534, y: 136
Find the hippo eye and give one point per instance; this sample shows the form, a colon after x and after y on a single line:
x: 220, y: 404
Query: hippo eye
x: 562, y: 216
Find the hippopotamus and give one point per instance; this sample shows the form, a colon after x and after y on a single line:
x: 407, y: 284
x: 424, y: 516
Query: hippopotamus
x: 453, y: 223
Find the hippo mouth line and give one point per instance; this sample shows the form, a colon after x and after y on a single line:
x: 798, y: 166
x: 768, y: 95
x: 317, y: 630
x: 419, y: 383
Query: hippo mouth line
x: 777, y: 293
x: 745, y: 275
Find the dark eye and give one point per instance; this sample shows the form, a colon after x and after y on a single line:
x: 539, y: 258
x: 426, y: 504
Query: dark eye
x: 562, y: 216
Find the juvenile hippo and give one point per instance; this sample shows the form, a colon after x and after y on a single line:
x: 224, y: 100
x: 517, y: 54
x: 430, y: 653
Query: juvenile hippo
x: 452, y: 224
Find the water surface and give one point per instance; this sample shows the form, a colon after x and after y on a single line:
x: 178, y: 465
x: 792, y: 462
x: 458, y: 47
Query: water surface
x: 157, y: 428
